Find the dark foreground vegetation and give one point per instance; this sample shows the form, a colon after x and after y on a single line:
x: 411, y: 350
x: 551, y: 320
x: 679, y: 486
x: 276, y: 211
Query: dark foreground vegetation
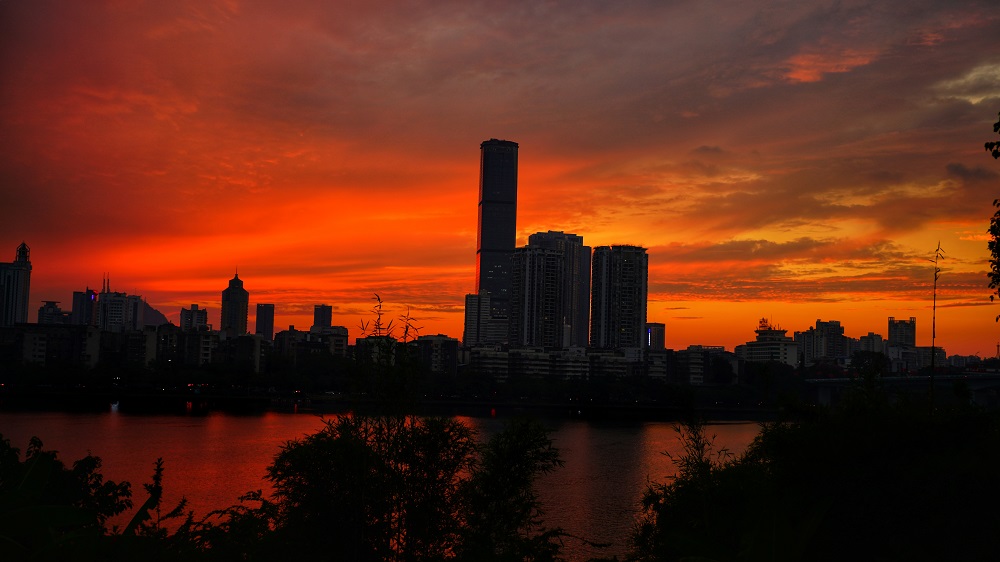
x: 867, y: 481
x: 362, y: 488
x: 872, y: 479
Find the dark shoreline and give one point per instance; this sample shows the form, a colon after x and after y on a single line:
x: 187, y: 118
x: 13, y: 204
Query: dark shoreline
x: 139, y: 403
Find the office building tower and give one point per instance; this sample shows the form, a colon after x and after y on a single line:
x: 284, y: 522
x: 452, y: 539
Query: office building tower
x: 902, y: 333
x: 265, y: 321
x: 194, y: 318
x: 656, y: 336
x: 15, y: 283
x: 84, y: 311
x: 618, y: 297
x: 575, y: 293
x: 322, y: 317
x: 497, y: 222
x: 235, y: 308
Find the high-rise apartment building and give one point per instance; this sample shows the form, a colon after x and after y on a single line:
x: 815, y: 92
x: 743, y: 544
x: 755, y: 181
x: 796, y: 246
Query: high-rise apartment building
x: 497, y: 222
x: 618, y: 297
x: 574, y: 264
x: 536, y: 312
x: 265, y: 321
x: 872, y: 342
x: 194, y: 318
x: 119, y: 312
x: 825, y: 340
x: 235, y: 308
x: 15, y: 285
x: 550, y: 292
x: 477, y: 319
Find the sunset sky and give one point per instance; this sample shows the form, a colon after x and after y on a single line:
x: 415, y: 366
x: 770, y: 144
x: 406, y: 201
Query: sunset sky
x: 794, y: 160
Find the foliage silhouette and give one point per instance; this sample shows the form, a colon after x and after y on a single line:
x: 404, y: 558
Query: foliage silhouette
x: 504, y: 517
x: 49, y: 511
x: 993, y: 147
x: 403, y: 488
x: 994, y: 230
x: 854, y: 483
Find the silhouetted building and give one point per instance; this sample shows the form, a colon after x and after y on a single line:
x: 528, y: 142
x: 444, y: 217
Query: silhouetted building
x: 497, y: 222
x: 235, y: 308
x: 119, y: 312
x: 15, y: 286
x: 84, y: 311
x: 438, y: 354
x: 477, y: 320
x: 536, y: 313
x: 902, y: 333
x: 322, y: 317
x: 50, y: 313
x: 194, y: 318
x: 265, y: 321
x: 574, y: 295
x: 59, y: 346
x: 335, y: 339
x: 771, y: 345
x: 618, y: 297
x: 872, y: 342
x: 656, y: 336
x: 825, y: 340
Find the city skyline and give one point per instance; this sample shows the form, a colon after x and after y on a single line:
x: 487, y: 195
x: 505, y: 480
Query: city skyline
x: 796, y: 162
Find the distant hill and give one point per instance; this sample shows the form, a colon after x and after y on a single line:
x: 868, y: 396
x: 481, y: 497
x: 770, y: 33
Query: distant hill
x: 151, y: 316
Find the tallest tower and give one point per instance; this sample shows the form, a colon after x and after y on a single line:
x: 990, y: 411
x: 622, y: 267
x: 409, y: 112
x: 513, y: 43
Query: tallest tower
x: 497, y: 222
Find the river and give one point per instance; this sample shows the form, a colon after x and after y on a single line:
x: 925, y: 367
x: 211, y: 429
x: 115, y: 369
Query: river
x: 212, y: 459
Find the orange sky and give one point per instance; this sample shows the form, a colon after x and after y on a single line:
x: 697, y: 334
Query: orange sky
x: 791, y: 160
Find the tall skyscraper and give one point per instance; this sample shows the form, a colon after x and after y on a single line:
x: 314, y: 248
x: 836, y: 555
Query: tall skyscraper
x: 497, y: 222
x: 235, y: 307
x: 15, y: 284
x: 575, y: 292
x: 618, y: 299
x: 265, y: 321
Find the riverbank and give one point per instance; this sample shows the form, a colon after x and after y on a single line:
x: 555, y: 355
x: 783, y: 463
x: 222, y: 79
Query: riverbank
x: 196, y: 401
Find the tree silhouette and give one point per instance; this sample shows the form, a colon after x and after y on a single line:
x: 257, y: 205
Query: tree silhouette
x: 49, y: 511
x: 994, y: 147
x: 994, y: 230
